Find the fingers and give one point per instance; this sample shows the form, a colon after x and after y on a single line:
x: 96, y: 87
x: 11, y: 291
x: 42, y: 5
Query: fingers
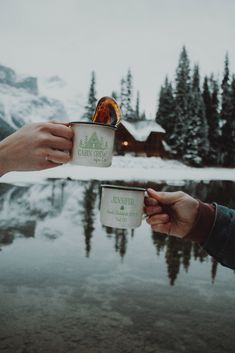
x: 151, y: 210
x: 160, y: 223
x: 58, y: 157
x: 61, y: 130
x: 60, y: 143
x: 48, y: 164
x: 158, y: 219
x: 162, y: 228
x: 60, y: 123
x: 149, y: 201
x: 165, y: 198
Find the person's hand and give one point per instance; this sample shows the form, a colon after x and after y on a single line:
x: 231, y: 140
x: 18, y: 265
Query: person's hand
x: 172, y: 213
x: 36, y: 146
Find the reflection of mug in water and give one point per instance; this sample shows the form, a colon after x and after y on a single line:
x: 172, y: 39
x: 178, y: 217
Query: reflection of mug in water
x: 121, y: 206
x: 92, y: 144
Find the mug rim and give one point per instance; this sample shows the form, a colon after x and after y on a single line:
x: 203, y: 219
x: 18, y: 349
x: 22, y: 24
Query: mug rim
x: 91, y: 123
x: 122, y: 187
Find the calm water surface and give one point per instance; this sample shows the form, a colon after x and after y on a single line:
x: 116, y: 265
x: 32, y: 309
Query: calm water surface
x: 67, y: 284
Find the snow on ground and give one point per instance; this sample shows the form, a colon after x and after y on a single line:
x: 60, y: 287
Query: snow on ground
x: 127, y: 168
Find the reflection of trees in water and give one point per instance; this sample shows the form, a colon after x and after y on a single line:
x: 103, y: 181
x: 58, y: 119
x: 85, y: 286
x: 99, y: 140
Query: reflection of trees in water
x: 121, y: 241
x: 173, y: 257
x: 120, y: 236
x: 198, y: 253
x: 186, y: 254
x: 213, y: 269
x: 88, y: 213
x: 159, y: 240
x: 57, y: 196
x: 178, y: 253
x: 22, y: 207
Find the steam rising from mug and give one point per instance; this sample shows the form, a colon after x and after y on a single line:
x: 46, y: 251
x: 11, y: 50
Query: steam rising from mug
x: 107, y: 112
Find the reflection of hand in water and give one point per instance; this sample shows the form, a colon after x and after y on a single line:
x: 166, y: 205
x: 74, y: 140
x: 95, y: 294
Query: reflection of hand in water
x: 172, y: 213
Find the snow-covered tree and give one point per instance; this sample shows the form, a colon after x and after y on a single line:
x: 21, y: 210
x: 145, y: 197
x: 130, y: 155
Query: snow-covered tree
x: 196, y: 140
x: 211, y: 103
x: 182, y: 105
x: 91, y: 102
x: 137, y: 106
x: 227, y: 138
x: 129, y: 94
x: 232, y: 151
x: 165, y: 115
x: 122, y: 98
x: 114, y: 95
x: 143, y: 116
x: 126, y: 97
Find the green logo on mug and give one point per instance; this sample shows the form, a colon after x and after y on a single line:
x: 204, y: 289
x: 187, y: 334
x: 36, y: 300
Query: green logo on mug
x: 93, y: 143
x: 94, y: 147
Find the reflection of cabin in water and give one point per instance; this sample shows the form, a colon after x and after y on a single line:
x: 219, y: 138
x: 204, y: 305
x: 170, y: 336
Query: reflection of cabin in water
x: 141, y: 138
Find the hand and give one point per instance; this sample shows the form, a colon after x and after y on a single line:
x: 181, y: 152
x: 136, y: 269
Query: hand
x: 172, y: 213
x: 35, y: 147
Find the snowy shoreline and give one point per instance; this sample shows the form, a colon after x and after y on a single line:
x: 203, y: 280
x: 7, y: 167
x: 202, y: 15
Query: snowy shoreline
x: 126, y: 168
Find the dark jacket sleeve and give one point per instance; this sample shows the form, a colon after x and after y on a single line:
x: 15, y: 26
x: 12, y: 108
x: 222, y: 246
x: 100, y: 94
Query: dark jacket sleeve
x: 221, y: 241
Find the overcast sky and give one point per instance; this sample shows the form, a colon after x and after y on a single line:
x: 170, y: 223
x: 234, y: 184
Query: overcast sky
x: 71, y: 38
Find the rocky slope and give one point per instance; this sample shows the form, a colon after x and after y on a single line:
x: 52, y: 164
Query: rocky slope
x: 21, y: 102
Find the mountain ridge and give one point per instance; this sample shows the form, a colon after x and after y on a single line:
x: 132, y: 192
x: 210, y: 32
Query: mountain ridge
x: 21, y: 102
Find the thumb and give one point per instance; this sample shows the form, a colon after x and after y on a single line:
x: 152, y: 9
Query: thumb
x: 165, y: 198
x: 66, y: 123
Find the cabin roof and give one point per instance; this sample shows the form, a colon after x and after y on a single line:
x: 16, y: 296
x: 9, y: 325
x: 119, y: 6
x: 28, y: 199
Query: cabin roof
x: 142, y: 129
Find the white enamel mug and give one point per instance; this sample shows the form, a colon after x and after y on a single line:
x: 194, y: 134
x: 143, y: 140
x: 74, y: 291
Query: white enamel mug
x: 121, y: 206
x: 92, y: 144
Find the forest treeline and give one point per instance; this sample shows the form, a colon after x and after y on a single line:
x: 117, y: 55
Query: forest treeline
x: 197, y: 114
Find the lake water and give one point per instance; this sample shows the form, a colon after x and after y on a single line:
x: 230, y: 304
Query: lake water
x: 67, y: 284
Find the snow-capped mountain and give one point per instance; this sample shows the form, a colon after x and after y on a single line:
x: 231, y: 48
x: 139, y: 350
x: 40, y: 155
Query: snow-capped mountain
x: 22, y: 103
x: 67, y: 93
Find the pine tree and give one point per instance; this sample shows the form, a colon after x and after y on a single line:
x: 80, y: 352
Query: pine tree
x: 114, y: 95
x: 206, y: 94
x: 196, y: 140
x: 91, y: 102
x: 143, y: 116
x: 211, y: 103
x: 182, y: 105
x: 123, y: 94
x: 137, y: 107
x: 126, y: 94
x: 227, y: 138
x: 165, y: 115
x: 232, y: 150
x: 129, y: 93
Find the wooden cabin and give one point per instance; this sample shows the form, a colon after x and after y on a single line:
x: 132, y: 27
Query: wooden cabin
x: 140, y: 138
